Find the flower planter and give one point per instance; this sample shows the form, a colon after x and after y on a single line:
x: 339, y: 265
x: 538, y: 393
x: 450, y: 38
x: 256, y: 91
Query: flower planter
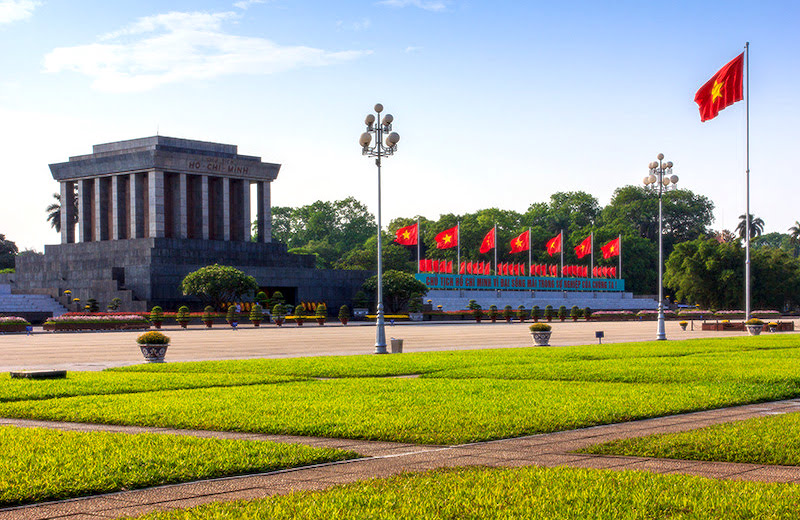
x: 157, y: 324
x: 754, y: 330
x: 494, y: 319
x: 154, y: 353
x: 343, y: 321
x: 299, y: 322
x: 209, y: 324
x: 256, y: 323
x: 16, y: 327
x: 183, y: 324
x: 278, y: 321
x: 683, y: 326
x: 415, y: 316
x: 321, y: 321
x: 542, y: 338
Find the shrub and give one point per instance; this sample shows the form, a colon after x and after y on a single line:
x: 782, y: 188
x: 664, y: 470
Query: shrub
x: 91, y: 305
x: 493, y: 311
x: 344, y: 312
x: 278, y: 311
x: 562, y: 312
x: 321, y: 312
x: 540, y: 327
x: 548, y: 312
x: 522, y: 312
x: 536, y: 312
x: 182, y: 316
x: 360, y: 299
x: 508, y: 313
x: 208, y: 313
x: 256, y: 313
x: 772, y: 324
x: 156, y: 314
x: 683, y: 323
x: 754, y: 321
x: 152, y: 338
x: 261, y: 298
x: 114, y: 305
x: 472, y: 305
x: 230, y: 316
x: 574, y: 312
x: 415, y: 304
x: 299, y: 311
x: 587, y: 313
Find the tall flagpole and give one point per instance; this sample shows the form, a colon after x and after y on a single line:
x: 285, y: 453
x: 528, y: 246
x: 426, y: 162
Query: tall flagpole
x: 495, y: 248
x: 529, y: 252
x: 591, y: 258
x: 747, y: 181
x: 458, y: 241
x: 419, y: 239
x: 619, y: 273
x: 562, y: 252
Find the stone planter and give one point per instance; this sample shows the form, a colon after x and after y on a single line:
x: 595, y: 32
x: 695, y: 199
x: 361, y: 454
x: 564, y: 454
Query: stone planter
x: 683, y: 326
x: 754, y: 330
x: 415, y: 316
x: 154, y: 353
x: 541, y: 338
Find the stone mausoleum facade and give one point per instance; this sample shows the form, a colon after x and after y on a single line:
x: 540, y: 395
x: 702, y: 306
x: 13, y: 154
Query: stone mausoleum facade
x: 151, y: 210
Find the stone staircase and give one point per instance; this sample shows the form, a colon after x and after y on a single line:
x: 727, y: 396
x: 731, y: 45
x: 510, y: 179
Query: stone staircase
x: 33, y: 307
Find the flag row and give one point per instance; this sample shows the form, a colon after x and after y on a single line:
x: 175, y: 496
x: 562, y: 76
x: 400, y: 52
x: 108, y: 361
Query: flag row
x: 432, y: 265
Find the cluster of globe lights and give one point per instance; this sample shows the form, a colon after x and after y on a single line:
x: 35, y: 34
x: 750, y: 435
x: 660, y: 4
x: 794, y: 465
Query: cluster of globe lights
x: 385, y: 126
x: 666, y: 169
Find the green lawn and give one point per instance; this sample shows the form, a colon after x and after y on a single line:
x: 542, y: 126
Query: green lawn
x: 521, y: 493
x: 38, y: 464
x: 765, y: 440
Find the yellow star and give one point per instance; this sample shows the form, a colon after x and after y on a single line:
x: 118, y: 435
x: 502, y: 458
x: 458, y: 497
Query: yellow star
x: 519, y: 242
x: 582, y: 247
x: 447, y: 239
x: 611, y: 249
x: 716, y: 91
x: 406, y: 235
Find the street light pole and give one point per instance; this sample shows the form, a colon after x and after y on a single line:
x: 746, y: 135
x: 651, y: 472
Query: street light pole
x: 377, y: 127
x: 660, y: 174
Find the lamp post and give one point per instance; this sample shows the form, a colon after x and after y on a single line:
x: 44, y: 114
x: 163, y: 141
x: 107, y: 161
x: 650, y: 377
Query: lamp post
x: 660, y: 178
x: 382, y: 148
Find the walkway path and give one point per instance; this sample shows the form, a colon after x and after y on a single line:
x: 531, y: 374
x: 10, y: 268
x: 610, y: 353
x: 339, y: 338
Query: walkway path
x: 387, y: 459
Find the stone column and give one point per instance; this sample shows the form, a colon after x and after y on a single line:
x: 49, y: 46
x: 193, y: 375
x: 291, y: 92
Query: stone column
x: 264, y: 212
x: 117, y: 209
x: 156, y: 203
x: 246, y: 209
x: 98, y: 210
x: 85, y: 210
x: 183, y: 207
x: 226, y: 209
x: 136, y: 198
x: 67, y: 212
x: 205, y: 206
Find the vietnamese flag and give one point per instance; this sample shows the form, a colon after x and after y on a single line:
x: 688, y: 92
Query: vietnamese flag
x: 584, y: 248
x: 488, y: 242
x: 722, y: 90
x: 521, y: 243
x: 463, y: 268
x: 553, y: 270
x: 554, y: 245
x: 407, y: 236
x: 469, y: 268
x: 447, y: 238
x: 611, y: 249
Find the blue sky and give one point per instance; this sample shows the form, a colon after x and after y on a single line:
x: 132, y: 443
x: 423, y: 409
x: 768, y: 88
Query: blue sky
x: 497, y: 103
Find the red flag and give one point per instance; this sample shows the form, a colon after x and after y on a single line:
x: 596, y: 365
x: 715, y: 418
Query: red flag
x: 584, y: 248
x: 480, y: 268
x: 422, y: 265
x: 488, y: 242
x: 521, y: 243
x: 407, y: 236
x: 429, y: 265
x: 611, y: 249
x: 553, y: 270
x: 722, y: 90
x: 469, y: 267
x: 447, y: 238
x: 522, y: 269
x: 613, y: 272
x: 514, y: 269
x: 463, y: 268
x: 554, y: 245
x: 487, y: 269
x: 450, y: 267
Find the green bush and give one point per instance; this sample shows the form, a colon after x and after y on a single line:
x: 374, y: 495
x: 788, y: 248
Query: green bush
x: 321, y: 312
x: 574, y: 312
x: 536, y: 312
x: 344, y: 312
x: 587, y: 313
x: 91, y: 305
x: 256, y: 313
x: 182, y: 316
x: 508, y: 312
x: 548, y: 312
x: 562, y: 312
x: 299, y: 311
x: 278, y: 311
x: 754, y: 321
x: 261, y: 298
x: 540, y: 327
x: 208, y: 313
x: 152, y: 338
x: 230, y: 316
x: 156, y: 314
x: 522, y: 312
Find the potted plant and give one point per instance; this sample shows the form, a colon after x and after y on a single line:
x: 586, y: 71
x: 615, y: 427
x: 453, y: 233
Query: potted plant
x: 231, y: 317
x: 508, y: 313
x: 683, y: 324
x: 256, y: 315
x: 548, y: 313
x: 182, y: 316
x: 321, y: 313
x: 522, y: 313
x: 344, y: 314
x: 562, y: 313
x: 773, y: 326
x: 360, y: 302
x: 208, y: 316
x: 587, y: 313
x: 278, y: 314
x: 299, y: 315
x: 114, y: 304
x: 574, y: 313
x: 540, y: 332
x: 415, y: 308
x: 77, y: 302
x: 92, y: 306
x: 477, y: 313
x: 261, y: 298
x: 536, y: 313
x: 493, y: 313
x: 754, y: 326
x: 157, y: 316
x: 153, y: 346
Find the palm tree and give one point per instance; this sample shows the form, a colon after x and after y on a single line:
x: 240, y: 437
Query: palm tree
x: 756, y: 227
x: 794, y: 236
x: 54, y: 212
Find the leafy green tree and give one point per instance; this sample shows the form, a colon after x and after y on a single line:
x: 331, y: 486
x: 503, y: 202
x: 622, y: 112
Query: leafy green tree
x: 398, y: 289
x: 794, y: 237
x: 572, y: 209
x: 8, y: 250
x: 708, y: 273
x: 756, y: 226
x: 775, y: 279
x: 218, y: 284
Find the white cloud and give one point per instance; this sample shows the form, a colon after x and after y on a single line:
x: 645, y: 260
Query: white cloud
x: 175, y: 47
x: 413, y: 48
x: 357, y: 26
x: 244, y: 4
x: 428, y: 5
x: 15, y: 10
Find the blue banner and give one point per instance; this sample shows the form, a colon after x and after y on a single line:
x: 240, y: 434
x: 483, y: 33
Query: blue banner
x: 519, y: 283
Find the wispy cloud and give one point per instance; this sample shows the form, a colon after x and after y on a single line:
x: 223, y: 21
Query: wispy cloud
x: 428, y: 5
x: 244, y: 4
x: 16, y: 10
x: 360, y: 25
x: 413, y: 48
x: 179, y: 46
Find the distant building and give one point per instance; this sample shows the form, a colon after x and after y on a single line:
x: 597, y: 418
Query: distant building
x: 151, y: 210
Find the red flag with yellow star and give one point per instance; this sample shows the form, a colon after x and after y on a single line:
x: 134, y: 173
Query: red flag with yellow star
x: 521, y: 243
x: 611, y: 249
x: 554, y: 245
x: 447, y: 238
x: 722, y: 90
x: 584, y: 248
x: 488, y: 242
x: 407, y: 236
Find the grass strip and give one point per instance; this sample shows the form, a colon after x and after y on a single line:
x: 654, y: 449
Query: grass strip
x: 95, y: 383
x: 437, y: 411
x: 519, y: 493
x: 763, y: 440
x: 41, y: 464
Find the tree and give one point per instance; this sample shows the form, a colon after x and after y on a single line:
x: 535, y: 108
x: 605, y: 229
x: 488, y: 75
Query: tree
x: 218, y: 284
x: 794, y: 237
x: 54, y: 212
x: 756, y: 227
x: 398, y: 289
x: 8, y: 250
